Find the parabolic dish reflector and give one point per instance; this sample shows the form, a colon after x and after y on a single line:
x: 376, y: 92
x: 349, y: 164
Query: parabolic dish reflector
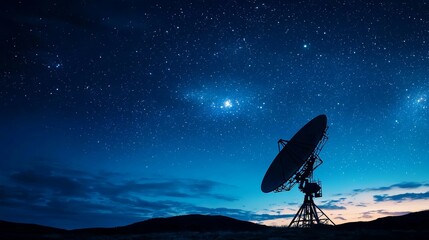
x: 294, y: 154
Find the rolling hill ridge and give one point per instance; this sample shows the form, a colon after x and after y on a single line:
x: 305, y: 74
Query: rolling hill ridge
x: 417, y: 222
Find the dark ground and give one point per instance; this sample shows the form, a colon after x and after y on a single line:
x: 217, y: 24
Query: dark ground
x: 410, y: 226
x: 272, y: 234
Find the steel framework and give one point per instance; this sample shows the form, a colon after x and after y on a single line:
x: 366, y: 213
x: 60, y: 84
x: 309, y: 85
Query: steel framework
x: 308, y: 214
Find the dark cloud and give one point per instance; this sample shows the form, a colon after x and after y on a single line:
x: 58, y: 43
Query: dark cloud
x: 81, y: 184
x: 360, y: 205
x: 65, y: 186
x: 403, y: 185
x: 332, y: 204
x: 374, y: 213
x: 177, y: 188
x: 63, y: 194
x: 332, y: 207
x: 292, y: 203
x: 334, y: 200
x: 401, y: 197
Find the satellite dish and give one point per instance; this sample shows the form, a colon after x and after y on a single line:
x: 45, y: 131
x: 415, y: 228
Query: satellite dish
x: 294, y: 154
x: 294, y: 164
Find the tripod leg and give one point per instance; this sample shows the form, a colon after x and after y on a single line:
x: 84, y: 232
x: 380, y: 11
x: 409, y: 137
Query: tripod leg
x: 297, y: 217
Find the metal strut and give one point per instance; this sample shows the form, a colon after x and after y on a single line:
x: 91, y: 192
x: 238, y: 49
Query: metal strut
x: 310, y: 215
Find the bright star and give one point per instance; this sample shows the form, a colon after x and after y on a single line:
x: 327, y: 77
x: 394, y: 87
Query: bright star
x: 305, y: 45
x: 421, y: 101
x: 227, y: 104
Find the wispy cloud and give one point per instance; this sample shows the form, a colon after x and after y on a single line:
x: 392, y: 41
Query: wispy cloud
x: 373, y: 213
x: 403, y: 185
x: 360, y: 205
x: 332, y: 207
x: 81, y: 184
x: 86, y: 199
x: 80, y: 199
x: 379, y: 201
x: 333, y: 204
x: 401, y: 197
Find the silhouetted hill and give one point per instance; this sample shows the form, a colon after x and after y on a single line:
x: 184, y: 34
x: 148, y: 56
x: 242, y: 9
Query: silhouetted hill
x: 411, y: 221
x: 202, y: 223
x: 27, y: 228
x: 410, y: 226
x: 186, y: 223
x: 12, y: 230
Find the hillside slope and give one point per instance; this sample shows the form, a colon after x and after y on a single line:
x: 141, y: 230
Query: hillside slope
x: 186, y: 223
x: 411, y: 221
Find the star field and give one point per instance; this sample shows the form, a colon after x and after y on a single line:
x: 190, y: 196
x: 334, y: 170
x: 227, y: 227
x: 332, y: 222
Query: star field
x: 195, y: 95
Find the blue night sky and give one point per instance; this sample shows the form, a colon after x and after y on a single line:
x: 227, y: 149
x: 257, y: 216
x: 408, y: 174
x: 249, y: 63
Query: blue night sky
x: 118, y: 111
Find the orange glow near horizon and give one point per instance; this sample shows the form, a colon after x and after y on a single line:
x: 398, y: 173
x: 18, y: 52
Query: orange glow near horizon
x: 362, y: 206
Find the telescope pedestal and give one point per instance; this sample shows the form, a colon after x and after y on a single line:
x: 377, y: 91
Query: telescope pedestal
x: 309, y: 215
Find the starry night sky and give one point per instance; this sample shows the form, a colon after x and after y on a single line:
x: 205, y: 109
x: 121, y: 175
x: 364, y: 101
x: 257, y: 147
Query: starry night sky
x: 117, y: 111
